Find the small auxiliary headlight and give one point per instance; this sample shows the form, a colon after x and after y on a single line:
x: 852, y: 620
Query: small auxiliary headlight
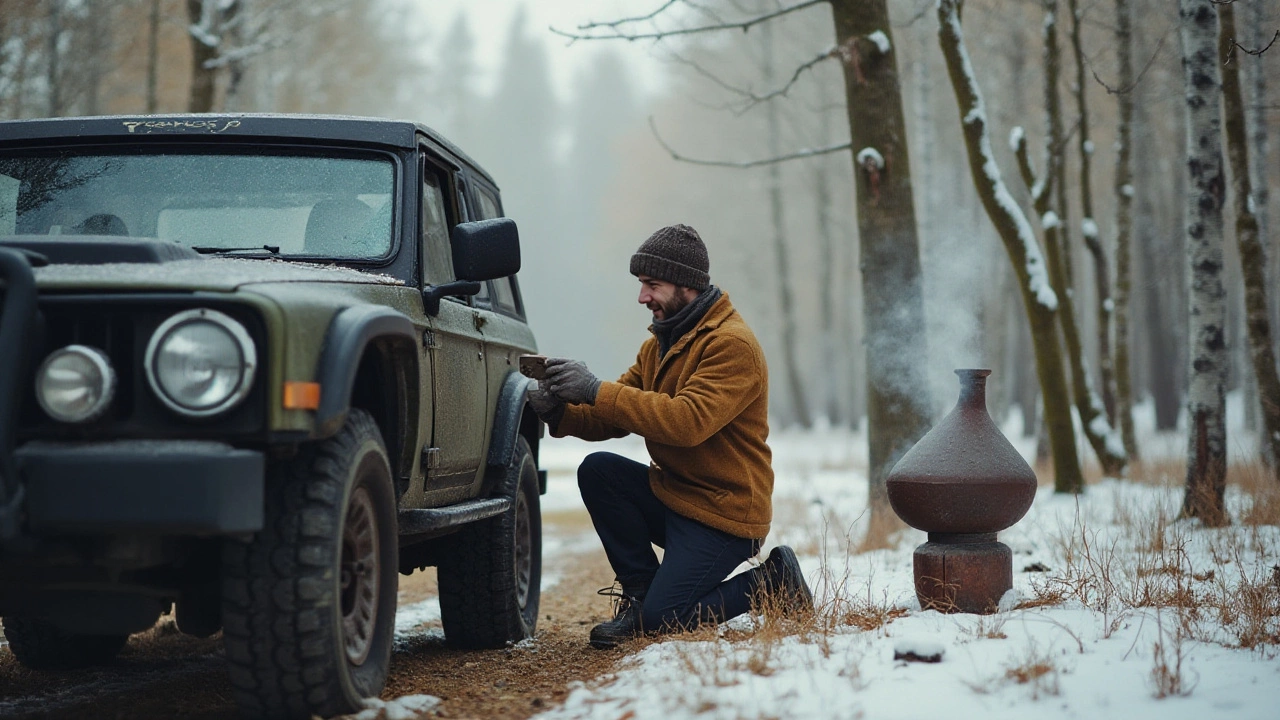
x: 75, y: 384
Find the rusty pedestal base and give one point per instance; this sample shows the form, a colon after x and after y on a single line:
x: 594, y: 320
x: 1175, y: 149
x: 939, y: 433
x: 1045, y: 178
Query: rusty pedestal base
x: 963, y: 572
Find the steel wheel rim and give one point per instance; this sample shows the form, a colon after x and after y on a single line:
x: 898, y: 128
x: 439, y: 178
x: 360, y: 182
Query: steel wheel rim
x: 524, y: 551
x: 358, y: 577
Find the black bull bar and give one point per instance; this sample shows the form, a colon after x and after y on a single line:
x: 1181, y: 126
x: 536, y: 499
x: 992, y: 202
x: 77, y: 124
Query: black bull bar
x: 17, y: 320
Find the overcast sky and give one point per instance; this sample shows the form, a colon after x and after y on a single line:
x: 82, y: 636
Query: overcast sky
x: 491, y: 20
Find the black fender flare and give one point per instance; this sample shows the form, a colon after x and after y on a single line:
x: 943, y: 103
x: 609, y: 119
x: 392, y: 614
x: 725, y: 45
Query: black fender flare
x: 508, y: 418
x: 350, y: 332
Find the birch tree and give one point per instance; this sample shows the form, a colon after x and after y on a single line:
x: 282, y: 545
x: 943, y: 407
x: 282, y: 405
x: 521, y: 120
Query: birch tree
x: 1206, y: 187
x: 1124, y: 225
x: 1038, y: 296
x: 1253, y: 260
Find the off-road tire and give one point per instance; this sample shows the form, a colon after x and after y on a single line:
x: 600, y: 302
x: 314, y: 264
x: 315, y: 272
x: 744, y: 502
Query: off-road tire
x: 491, y: 571
x: 40, y: 645
x: 288, y: 654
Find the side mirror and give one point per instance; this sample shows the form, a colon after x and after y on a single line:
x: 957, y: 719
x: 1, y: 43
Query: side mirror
x: 485, y: 249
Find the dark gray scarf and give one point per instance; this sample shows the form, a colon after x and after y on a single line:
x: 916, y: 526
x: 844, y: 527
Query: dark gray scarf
x: 671, y: 329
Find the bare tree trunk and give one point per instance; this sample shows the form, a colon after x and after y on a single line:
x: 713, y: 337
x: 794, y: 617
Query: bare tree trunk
x: 1257, y: 105
x: 831, y: 340
x: 1106, y: 444
x: 786, y: 304
x: 898, y: 399
x: 204, y: 15
x: 96, y: 53
x: 1089, y: 226
x: 53, y: 55
x: 233, y: 22
x: 1206, y: 407
x: 1024, y: 252
x: 1102, y: 438
x: 1124, y: 225
x: 153, y: 55
x: 1253, y: 260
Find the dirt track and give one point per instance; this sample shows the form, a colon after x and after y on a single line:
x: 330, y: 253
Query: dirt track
x: 163, y: 674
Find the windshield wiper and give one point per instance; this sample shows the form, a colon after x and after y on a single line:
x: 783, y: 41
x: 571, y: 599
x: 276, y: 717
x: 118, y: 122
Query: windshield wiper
x: 273, y: 249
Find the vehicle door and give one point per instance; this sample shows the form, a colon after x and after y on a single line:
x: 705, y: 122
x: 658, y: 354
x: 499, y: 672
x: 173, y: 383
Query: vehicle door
x: 506, y: 334
x: 460, y: 387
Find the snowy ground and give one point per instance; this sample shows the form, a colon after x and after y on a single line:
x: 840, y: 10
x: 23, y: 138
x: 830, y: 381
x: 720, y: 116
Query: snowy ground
x: 1118, y: 610
x: 1146, y: 616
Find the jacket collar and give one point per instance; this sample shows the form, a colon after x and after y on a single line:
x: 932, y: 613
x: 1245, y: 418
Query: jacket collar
x: 713, y: 318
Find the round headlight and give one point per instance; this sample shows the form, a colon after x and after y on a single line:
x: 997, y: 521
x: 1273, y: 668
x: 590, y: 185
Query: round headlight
x: 75, y: 384
x: 200, y: 362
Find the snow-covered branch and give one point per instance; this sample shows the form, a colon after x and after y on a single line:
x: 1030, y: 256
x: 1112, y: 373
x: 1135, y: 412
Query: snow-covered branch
x: 1009, y: 219
x: 1039, y: 187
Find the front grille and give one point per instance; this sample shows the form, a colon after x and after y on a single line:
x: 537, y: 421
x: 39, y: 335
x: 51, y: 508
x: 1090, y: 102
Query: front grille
x: 111, y: 332
x: 121, y: 327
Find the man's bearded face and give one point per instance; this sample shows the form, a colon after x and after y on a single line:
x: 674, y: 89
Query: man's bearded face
x: 663, y: 299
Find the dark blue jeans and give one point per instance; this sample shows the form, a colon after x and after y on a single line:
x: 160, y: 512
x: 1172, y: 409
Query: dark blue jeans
x: 686, y: 587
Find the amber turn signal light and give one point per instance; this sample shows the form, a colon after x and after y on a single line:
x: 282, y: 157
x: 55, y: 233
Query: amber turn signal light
x: 301, y: 395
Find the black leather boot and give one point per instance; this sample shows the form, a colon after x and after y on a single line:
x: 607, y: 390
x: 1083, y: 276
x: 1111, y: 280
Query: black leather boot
x: 781, y: 577
x: 626, y: 622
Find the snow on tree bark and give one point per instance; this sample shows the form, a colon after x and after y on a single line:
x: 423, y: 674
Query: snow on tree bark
x: 1206, y: 406
x: 1252, y: 255
x: 1098, y: 431
x: 207, y: 20
x: 1106, y: 444
x: 898, y: 401
x: 1089, y: 227
x: 1124, y: 225
x: 1020, y: 243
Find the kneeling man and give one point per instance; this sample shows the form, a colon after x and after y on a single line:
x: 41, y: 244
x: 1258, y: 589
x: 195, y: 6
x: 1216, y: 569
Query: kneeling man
x: 699, y: 395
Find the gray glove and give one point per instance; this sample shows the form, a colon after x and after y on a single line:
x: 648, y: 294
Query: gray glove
x: 571, y: 381
x: 542, y: 401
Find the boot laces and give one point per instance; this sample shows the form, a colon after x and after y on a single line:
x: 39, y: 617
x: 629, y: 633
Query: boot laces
x: 622, y: 602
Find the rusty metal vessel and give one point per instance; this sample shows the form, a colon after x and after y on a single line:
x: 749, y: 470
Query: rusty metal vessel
x: 962, y: 483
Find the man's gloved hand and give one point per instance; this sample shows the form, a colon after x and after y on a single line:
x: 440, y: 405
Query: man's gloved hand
x: 542, y: 401
x: 571, y: 381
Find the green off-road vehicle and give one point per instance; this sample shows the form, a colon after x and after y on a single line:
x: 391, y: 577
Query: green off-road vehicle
x: 251, y: 367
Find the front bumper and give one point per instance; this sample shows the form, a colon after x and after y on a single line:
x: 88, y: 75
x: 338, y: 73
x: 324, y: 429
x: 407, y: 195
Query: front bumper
x: 174, y: 487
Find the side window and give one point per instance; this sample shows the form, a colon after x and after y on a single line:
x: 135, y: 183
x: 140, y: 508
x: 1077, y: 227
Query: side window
x: 488, y: 204
x: 504, y: 297
x: 437, y: 258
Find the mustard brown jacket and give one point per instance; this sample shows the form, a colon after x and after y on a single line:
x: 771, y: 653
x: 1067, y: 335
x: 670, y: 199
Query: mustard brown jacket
x: 703, y: 412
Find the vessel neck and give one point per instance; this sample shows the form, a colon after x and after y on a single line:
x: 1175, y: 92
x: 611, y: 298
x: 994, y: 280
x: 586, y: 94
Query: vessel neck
x: 973, y: 388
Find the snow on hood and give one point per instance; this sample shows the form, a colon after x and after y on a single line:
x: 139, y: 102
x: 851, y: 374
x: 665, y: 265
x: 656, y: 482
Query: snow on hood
x: 207, y: 274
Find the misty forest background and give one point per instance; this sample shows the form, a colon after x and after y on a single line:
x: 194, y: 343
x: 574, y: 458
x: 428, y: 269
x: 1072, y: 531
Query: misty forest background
x: 587, y: 176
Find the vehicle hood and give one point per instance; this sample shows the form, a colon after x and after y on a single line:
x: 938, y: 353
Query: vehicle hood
x: 203, y: 274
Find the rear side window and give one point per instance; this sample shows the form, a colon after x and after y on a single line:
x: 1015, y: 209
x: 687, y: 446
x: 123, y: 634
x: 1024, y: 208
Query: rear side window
x: 504, y: 297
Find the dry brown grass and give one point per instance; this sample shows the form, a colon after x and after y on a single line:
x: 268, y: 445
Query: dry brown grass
x: 1168, y: 676
x: 1261, y: 490
x: 1036, y: 669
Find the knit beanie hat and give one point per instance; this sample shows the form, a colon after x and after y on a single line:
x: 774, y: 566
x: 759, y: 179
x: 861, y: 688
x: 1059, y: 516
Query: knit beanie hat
x: 676, y: 254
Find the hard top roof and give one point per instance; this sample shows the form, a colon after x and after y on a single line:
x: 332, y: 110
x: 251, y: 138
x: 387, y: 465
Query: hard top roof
x: 258, y: 126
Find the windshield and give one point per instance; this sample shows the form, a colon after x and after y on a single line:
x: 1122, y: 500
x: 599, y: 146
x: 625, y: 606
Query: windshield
x: 307, y: 205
